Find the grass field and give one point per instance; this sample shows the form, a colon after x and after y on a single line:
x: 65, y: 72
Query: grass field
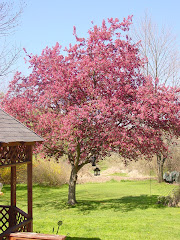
x: 106, y: 211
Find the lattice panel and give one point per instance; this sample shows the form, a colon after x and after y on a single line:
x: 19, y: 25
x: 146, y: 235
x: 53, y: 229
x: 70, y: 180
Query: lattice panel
x: 23, y: 229
x: 19, y: 217
x: 4, y: 218
x: 5, y: 238
x: 13, y: 154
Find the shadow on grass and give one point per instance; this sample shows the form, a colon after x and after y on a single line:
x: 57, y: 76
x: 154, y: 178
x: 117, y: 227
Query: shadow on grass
x: 124, y: 204
x: 79, y: 238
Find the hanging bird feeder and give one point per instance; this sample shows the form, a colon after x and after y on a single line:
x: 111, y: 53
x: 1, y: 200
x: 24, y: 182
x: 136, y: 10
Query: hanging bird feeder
x: 97, y: 171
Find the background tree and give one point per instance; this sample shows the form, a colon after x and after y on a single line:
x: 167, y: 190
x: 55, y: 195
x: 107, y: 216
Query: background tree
x: 9, y: 20
x: 94, y: 100
x: 159, y: 48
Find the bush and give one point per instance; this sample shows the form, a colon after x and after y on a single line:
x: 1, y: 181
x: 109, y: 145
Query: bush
x: 21, y: 172
x: 45, y: 171
x: 171, y: 201
x: 5, y: 174
x: 49, y: 172
x: 175, y: 199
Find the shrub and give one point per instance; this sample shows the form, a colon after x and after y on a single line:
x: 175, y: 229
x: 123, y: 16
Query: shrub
x: 45, y: 171
x: 49, y: 172
x: 171, y: 200
x: 175, y: 199
x: 21, y: 172
x: 5, y: 174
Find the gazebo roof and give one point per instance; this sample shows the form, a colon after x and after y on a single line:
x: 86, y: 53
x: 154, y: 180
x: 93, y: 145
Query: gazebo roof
x: 11, y: 130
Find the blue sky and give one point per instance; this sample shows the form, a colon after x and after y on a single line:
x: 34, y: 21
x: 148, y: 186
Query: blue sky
x: 45, y: 22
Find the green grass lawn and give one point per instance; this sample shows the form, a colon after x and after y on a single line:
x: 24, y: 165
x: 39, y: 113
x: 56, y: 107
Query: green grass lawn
x: 106, y: 211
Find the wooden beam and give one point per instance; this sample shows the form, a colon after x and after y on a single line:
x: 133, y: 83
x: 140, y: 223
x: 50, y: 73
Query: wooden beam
x: 11, y: 144
x: 14, y: 164
x: 29, y: 186
x: 21, y: 212
x: 6, y: 206
x: 13, y: 186
x: 13, y: 196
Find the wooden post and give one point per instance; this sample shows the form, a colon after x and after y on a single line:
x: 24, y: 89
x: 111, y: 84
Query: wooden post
x: 13, y: 196
x: 29, y: 186
x: 13, y: 186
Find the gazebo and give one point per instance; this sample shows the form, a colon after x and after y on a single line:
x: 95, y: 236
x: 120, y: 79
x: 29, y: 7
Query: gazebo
x: 16, y: 142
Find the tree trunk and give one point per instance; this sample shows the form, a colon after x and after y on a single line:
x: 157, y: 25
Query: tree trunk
x: 160, y: 165
x: 72, y: 186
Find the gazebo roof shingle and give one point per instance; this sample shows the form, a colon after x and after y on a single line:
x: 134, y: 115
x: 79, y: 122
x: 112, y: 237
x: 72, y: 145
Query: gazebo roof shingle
x: 11, y: 130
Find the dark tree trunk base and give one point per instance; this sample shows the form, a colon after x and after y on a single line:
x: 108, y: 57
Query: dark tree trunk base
x: 72, y: 187
x: 160, y: 165
x: 72, y: 202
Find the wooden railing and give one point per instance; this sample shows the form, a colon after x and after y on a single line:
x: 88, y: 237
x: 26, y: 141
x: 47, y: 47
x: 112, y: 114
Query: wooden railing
x: 12, y: 219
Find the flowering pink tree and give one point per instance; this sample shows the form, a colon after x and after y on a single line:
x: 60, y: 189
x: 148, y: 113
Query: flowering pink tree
x: 94, y: 100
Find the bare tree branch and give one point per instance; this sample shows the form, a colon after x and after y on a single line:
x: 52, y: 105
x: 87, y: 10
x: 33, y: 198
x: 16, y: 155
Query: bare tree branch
x: 9, y: 20
x: 159, y: 46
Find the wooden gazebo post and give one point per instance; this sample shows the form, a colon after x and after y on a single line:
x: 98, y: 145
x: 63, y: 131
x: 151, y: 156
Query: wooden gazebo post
x: 13, y: 186
x: 13, y: 194
x: 29, y: 186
